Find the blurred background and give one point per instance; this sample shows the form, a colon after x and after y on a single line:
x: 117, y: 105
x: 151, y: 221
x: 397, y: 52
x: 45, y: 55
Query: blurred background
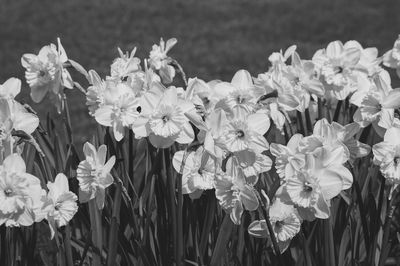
x: 215, y: 37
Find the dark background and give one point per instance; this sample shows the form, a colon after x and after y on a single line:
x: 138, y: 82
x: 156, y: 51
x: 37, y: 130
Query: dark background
x: 215, y: 37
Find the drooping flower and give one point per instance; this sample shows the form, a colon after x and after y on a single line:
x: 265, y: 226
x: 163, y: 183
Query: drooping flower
x: 159, y: 60
x: 60, y: 206
x: 45, y: 72
x: 94, y: 174
x: 20, y: 193
x: 285, y: 221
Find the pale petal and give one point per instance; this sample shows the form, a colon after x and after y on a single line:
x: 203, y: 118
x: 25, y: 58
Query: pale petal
x: 259, y: 123
x: 14, y: 164
x: 242, y: 80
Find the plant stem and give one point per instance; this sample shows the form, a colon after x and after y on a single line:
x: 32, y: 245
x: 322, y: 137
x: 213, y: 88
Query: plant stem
x: 386, y: 232
x: 96, y: 227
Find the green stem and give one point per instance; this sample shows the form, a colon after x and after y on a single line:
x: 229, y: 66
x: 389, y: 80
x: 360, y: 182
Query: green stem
x: 386, y: 232
x: 96, y: 227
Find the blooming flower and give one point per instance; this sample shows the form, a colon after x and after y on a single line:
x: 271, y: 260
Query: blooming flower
x: 197, y: 175
x: 20, y: 193
x: 60, y: 205
x: 45, y: 72
x: 159, y: 60
x: 337, y: 66
x: 235, y: 195
x: 163, y: 119
x: 392, y: 57
x: 387, y: 154
x: 285, y: 222
x: 94, y: 174
x: 247, y: 133
x: 378, y: 105
x: 119, y: 110
x: 125, y: 65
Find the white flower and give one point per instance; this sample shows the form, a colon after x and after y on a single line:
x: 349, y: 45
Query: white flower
x: 387, y: 154
x: 163, y: 119
x: 198, y: 171
x: 125, y: 65
x: 20, y: 193
x: 247, y: 134
x: 159, y: 60
x: 235, y: 195
x: 94, y: 174
x: 10, y: 88
x: 378, y: 105
x: 119, y: 110
x: 45, y: 72
x: 285, y: 221
x: 337, y: 65
x: 392, y: 57
x: 288, y: 158
x: 61, y: 203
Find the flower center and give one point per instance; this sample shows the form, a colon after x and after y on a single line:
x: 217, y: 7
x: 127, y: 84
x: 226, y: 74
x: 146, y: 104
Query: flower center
x: 279, y: 224
x: 338, y: 70
x: 8, y: 192
x: 307, y: 187
x: 240, y: 99
x: 239, y: 133
x: 165, y: 118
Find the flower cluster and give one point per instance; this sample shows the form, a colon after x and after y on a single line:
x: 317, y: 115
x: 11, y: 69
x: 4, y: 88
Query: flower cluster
x: 223, y: 127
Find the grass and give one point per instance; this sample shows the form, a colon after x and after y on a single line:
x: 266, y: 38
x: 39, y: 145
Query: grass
x: 216, y: 38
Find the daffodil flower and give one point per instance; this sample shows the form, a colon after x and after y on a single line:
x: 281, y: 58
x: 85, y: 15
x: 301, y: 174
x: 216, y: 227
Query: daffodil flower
x: 237, y: 95
x: 288, y: 158
x: 234, y: 195
x: 392, y: 57
x: 247, y: 133
x: 119, y: 110
x: 124, y: 65
x: 387, y: 154
x: 159, y: 60
x: 20, y: 193
x: 163, y: 119
x: 198, y: 171
x: 337, y: 65
x: 378, y: 106
x: 94, y: 174
x: 60, y: 206
x: 285, y: 221
x: 45, y: 72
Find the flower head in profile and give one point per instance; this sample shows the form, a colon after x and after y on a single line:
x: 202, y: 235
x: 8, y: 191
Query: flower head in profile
x: 387, y: 154
x: 285, y: 221
x: 94, y: 174
x: 378, y: 106
x: 392, y: 57
x: 60, y: 204
x: 20, y: 193
x: 45, y: 72
x: 160, y: 61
